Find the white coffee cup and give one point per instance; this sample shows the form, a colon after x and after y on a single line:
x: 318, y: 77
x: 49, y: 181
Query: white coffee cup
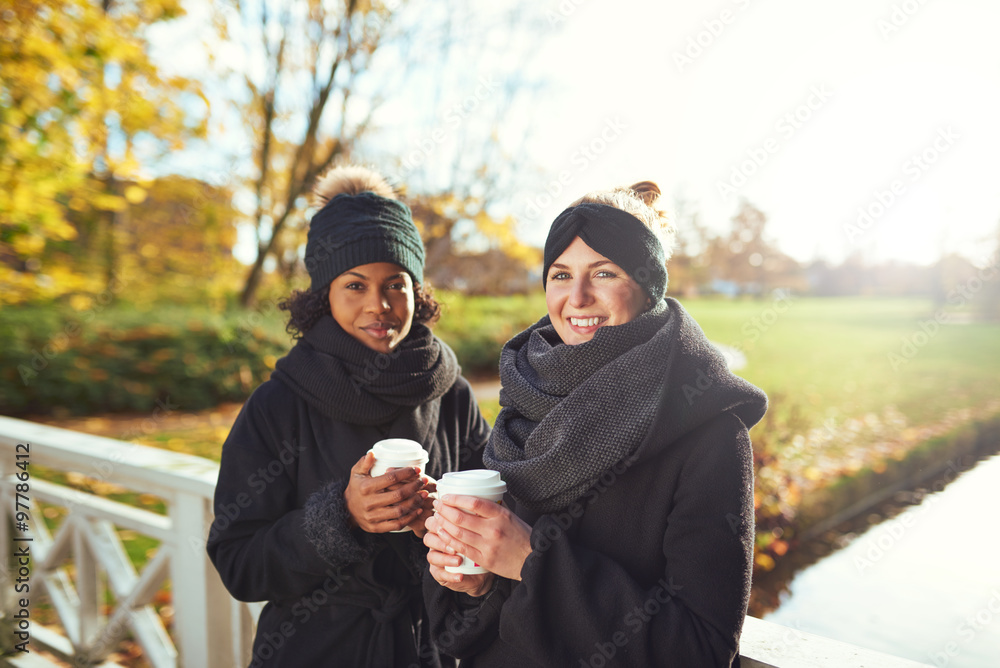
x: 397, y: 453
x: 481, y: 483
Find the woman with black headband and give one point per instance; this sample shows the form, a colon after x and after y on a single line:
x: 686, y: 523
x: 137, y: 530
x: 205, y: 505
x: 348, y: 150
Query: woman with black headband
x: 623, y: 440
x: 300, y: 521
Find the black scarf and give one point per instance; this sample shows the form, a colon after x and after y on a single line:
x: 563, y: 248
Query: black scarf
x: 350, y: 382
x: 572, y: 412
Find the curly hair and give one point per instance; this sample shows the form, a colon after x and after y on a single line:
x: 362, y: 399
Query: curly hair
x: 306, y: 307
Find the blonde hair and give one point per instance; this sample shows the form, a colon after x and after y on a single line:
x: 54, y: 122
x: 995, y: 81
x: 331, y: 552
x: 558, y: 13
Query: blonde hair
x: 350, y: 180
x: 638, y: 199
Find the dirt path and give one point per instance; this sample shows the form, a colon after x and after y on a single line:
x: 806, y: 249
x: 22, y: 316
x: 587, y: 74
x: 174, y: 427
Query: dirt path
x: 486, y: 390
x: 117, y: 425
x: 219, y: 419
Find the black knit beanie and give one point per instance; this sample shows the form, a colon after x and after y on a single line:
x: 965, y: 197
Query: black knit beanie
x: 615, y: 234
x: 352, y: 230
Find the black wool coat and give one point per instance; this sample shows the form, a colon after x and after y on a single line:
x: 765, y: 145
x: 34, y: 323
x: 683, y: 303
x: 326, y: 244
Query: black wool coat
x: 336, y: 596
x: 651, y: 566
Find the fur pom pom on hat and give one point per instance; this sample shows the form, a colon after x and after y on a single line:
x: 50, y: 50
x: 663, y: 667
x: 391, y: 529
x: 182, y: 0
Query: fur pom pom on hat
x: 360, y: 222
x: 350, y: 180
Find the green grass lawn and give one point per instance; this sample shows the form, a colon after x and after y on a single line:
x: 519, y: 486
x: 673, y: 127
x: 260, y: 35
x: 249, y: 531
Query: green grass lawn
x: 822, y: 359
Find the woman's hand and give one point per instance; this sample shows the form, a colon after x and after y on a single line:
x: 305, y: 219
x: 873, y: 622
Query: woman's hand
x: 426, y: 511
x: 440, y: 555
x: 387, y: 502
x: 484, y: 531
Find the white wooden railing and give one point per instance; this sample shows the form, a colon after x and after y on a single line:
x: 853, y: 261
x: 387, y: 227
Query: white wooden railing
x: 81, y: 569
x: 84, y: 555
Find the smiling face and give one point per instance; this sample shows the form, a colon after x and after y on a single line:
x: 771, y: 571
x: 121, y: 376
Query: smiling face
x: 585, y: 291
x: 374, y: 304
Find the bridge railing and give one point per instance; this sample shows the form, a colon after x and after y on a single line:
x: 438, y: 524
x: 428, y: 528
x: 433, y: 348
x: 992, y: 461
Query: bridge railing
x: 73, y: 543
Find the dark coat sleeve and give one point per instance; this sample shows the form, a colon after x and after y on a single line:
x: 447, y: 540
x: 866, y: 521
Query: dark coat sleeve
x: 259, y: 541
x: 463, y: 626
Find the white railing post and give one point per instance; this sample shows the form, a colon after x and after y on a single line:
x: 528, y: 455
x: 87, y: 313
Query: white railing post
x: 202, y: 605
x: 6, y: 584
x: 86, y: 586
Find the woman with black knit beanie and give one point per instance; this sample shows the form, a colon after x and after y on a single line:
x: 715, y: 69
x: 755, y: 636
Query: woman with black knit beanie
x: 627, y: 539
x: 301, y: 522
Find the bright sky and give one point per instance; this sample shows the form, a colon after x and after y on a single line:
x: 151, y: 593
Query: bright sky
x: 871, y: 97
x: 810, y: 110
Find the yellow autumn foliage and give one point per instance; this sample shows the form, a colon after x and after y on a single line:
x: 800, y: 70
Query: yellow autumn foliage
x: 77, y: 86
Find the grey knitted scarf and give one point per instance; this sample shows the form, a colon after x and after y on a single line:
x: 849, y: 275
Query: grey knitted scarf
x: 572, y: 412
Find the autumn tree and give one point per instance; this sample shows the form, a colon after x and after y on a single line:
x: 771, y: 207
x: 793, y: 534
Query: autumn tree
x: 989, y: 275
x: 316, y: 78
x: 466, y: 166
x: 82, y: 110
x: 470, y: 250
x: 302, y: 66
x: 688, y: 268
x: 746, y: 257
x: 176, y: 244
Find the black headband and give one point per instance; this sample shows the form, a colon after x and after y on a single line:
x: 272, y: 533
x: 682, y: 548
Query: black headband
x: 615, y: 234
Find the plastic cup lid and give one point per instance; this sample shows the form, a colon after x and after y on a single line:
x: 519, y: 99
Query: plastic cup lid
x: 475, y: 481
x: 399, y: 449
